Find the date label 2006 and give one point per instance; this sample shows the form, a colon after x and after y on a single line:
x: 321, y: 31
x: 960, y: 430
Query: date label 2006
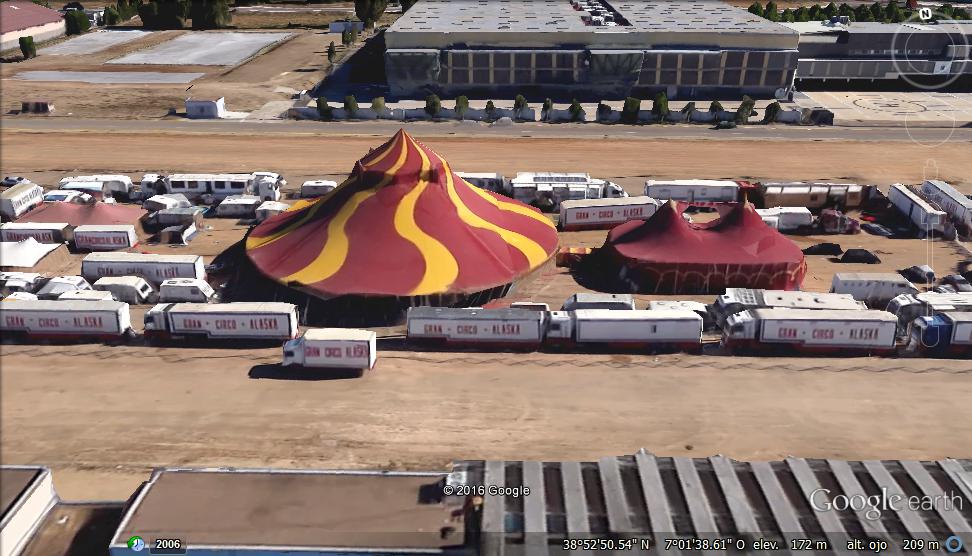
x: 168, y: 546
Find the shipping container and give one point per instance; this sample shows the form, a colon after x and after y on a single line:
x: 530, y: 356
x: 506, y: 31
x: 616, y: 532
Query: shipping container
x: 636, y: 328
x: 946, y: 334
x: 518, y: 328
x: 868, y: 331
x: 222, y: 321
x: 954, y: 203
x: 154, y: 268
x: 874, y: 288
x: 193, y: 290
x: 603, y: 214
x: 130, y: 289
x: 41, y: 232
x: 710, y: 191
x: 105, y: 237
x: 924, y: 216
x: 334, y: 348
x: 316, y: 188
x: 19, y: 199
x: 238, y: 206
x: 66, y: 319
x: 615, y: 301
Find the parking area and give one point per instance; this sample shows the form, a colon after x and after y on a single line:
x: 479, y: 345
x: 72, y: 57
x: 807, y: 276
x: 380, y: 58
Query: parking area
x: 909, y: 107
x: 204, y: 49
x: 93, y: 42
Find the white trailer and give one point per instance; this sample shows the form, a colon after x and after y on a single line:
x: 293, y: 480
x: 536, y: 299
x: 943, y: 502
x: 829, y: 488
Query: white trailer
x: 194, y: 290
x: 87, y: 295
x: 926, y: 217
x: 787, y: 218
x: 19, y: 282
x: 517, y: 328
x: 736, y: 300
x: 316, y: 188
x: 270, y: 208
x: 54, y: 287
x: 946, y: 334
x: 334, y: 348
x: 812, y: 194
x: 679, y: 329
x: 490, y: 181
x: 214, y: 187
x: 165, y: 202
x: 154, y: 268
x: 105, y: 237
x: 710, y: 191
x: 20, y: 296
x: 19, y: 199
x: 908, y: 307
x: 874, y: 288
x: 222, y: 321
x: 66, y: 319
x: 957, y: 205
x: 806, y: 329
x: 530, y: 306
x: 40, y: 231
x: 614, y: 301
x: 116, y: 185
x: 601, y: 214
x: 238, y: 206
x: 130, y: 289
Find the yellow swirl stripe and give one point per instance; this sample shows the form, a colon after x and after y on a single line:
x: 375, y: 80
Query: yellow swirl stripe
x: 400, y: 136
x: 534, y: 253
x: 503, y: 205
x: 441, y: 268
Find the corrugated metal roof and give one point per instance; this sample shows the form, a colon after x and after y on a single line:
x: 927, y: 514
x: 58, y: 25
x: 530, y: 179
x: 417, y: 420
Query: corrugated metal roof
x: 662, y: 498
x: 17, y: 15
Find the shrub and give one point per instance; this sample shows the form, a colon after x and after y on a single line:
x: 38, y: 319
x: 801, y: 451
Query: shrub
x: 77, y: 22
x: 756, y: 9
x: 576, y: 111
x: 324, y: 111
x: 547, y: 107
x: 745, y: 110
x: 772, y: 112
x: 490, y: 110
x: 378, y: 104
x: 629, y: 114
x: 351, y: 105
x: 111, y: 16
x: 331, y: 52
x: 519, y: 103
x: 209, y: 14
x: 660, y: 106
x: 27, y: 47
x: 687, y: 110
x: 462, y: 105
x: 716, y: 107
x: 432, y: 105
x: 353, y: 35
x: 346, y: 37
x: 603, y: 111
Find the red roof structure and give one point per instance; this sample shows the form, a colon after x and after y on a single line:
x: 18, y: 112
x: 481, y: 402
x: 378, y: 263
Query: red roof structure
x: 666, y: 254
x: 402, y: 225
x: 79, y: 214
x: 17, y: 15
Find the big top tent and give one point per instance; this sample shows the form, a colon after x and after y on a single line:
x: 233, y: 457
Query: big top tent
x: 403, y: 225
x: 666, y: 254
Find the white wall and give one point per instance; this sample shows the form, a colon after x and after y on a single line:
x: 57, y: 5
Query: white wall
x: 40, y: 33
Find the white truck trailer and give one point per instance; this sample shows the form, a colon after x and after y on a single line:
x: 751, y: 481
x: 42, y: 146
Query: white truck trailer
x: 946, y: 334
x: 222, y: 321
x: 615, y: 301
x: 238, y: 206
x: 736, y: 300
x: 20, y: 282
x: 924, y: 216
x: 66, y: 319
x: 332, y: 348
x: 512, y: 328
x: 812, y: 195
x: 105, y: 237
x: 40, y: 231
x: 154, y: 268
x: 490, y: 181
x: 210, y: 188
x: 867, y: 331
x: 634, y: 329
x: 908, y: 307
x: 130, y: 289
x: 710, y: 191
x: 316, y: 188
x: 110, y: 185
x: 874, y: 288
x: 87, y: 295
x: 786, y: 219
x: 603, y: 214
x: 17, y: 200
x: 955, y: 204
x: 270, y: 208
x: 191, y: 290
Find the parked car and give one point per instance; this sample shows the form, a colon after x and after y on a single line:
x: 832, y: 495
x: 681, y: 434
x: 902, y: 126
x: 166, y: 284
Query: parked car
x: 958, y: 282
x: 11, y: 181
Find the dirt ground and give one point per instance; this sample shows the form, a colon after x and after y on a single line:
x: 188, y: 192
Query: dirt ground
x: 103, y: 416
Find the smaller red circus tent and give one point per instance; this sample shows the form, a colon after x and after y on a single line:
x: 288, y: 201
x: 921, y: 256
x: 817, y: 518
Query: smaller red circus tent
x: 666, y: 254
x: 80, y: 214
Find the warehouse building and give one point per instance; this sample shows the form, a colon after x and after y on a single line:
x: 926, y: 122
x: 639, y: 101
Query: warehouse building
x: 687, y: 48
x: 19, y: 18
x: 882, y: 51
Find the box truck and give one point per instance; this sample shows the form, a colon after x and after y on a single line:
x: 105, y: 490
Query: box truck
x: 874, y: 288
x: 332, y: 348
x: 105, y: 237
x: 603, y: 214
x: 154, y: 268
x: 908, y: 307
x: 66, y: 319
x: 710, y: 191
x: 130, y: 289
x: 787, y: 218
x: 238, y: 206
x: 513, y: 328
x: 193, y: 290
x: 954, y: 203
x: 41, y: 232
x: 634, y: 329
x: 222, y: 321
x: 17, y: 200
x: 736, y: 300
x: 867, y: 331
x: 924, y: 216
x: 945, y: 334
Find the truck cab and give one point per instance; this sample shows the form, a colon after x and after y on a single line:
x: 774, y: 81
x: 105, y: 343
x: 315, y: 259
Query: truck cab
x: 293, y: 352
x: 267, y: 185
x: 741, y: 326
x: 560, y: 326
x: 154, y: 319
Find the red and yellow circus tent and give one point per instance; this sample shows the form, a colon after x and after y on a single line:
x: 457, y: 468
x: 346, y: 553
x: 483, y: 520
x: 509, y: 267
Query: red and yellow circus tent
x: 403, y: 225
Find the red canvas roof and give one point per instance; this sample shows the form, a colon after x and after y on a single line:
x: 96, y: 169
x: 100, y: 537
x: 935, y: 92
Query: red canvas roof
x: 77, y: 214
x: 666, y: 253
x: 16, y: 15
x: 403, y: 224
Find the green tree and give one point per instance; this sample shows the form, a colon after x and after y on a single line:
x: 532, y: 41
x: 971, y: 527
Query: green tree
x: 369, y: 11
x: 346, y: 37
x: 432, y: 105
x: 331, y: 52
x: 802, y: 13
x: 816, y: 13
x: 688, y: 108
x: 547, y: 107
x: 111, y: 16
x: 745, y: 110
x: 846, y: 11
x: 892, y: 12
x: 27, y: 47
x: 877, y: 11
x: 771, y: 12
x: 164, y: 14
x: 660, y: 106
x: 519, y: 104
x: 406, y: 4
x: 830, y: 11
x: 350, y: 105
x: 715, y: 107
x: 378, y: 105
x: 629, y: 114
x: 354, y: 35
x: 209, y: 14
x: 576, y: 111
x: 772, y: 112
x: 462, y: 106
x: 76, y: 22
x: 490, y: 110
x: 603, y: 111
x: 788, y: 16
x: 324, y: 111
x: 756, y: 9
x: 863, y: 13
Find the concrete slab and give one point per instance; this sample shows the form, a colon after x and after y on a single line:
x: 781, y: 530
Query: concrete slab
x: 901, y: 107
x: 109, y: 77
x: 92, y: 42
x: 204, y: 49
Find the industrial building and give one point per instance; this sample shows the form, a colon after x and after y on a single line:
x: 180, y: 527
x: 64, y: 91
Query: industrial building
x: 19, y: 18
x: 558, y: 47
x: 882, y: 51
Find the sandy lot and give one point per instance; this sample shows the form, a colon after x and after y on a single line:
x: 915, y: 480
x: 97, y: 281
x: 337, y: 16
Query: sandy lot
x: 103, y: 416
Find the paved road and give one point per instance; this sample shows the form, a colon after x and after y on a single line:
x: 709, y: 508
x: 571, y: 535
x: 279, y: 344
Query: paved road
x: 922, y: 136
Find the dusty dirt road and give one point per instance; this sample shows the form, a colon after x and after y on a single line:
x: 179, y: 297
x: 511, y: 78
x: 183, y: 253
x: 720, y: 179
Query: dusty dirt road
x: 104, y: 416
